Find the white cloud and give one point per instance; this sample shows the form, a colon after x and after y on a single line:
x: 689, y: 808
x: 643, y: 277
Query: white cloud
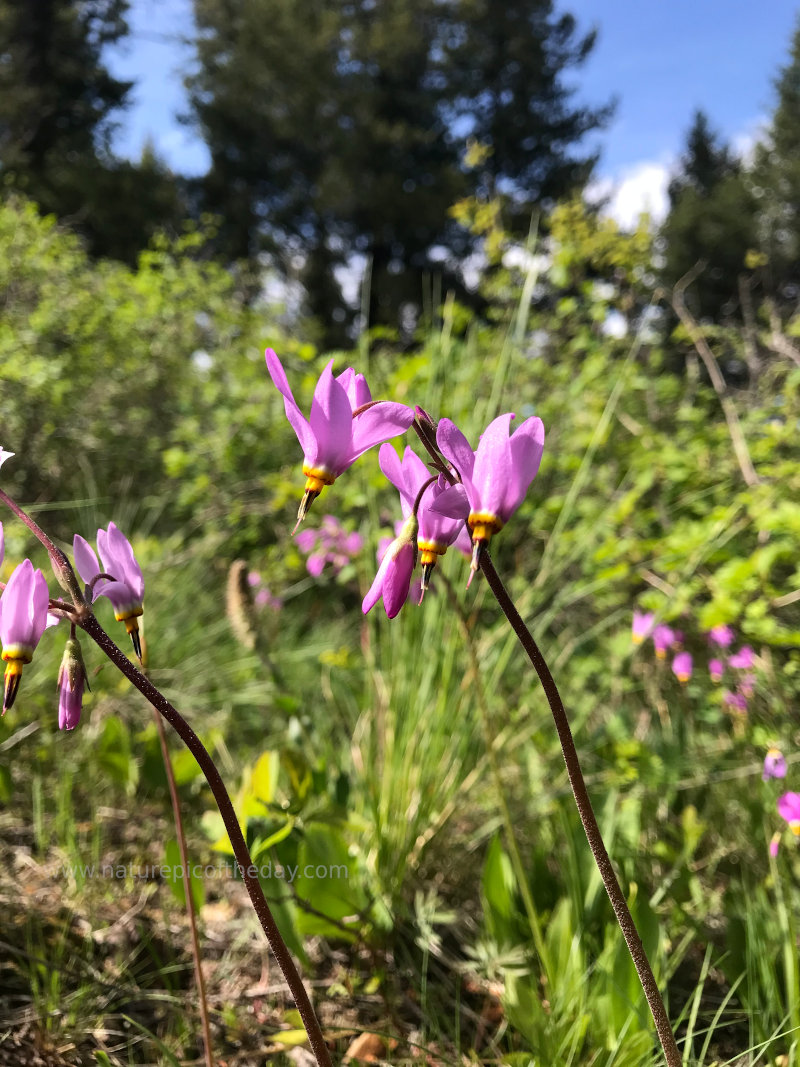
x: 639, y: 188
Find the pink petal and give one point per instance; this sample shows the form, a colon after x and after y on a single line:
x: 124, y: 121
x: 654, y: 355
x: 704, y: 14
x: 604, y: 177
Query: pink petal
x: 385, y: 420
x: 454, y: 446
x: 85, y: 560
x: 331, y: 424
x: 297, y: 419
x: 494, y: 468
x: 789, y: 806
x: 452, y: 503
x: 527, y: 446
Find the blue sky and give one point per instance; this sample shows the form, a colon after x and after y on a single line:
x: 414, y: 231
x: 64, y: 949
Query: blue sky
x: 661, y: 59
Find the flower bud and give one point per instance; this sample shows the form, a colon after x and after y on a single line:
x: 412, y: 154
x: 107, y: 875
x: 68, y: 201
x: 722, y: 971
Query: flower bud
x: 71, y: 682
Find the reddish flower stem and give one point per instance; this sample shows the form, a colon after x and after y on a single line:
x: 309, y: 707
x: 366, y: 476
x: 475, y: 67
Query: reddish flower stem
x: 247, y: 869
x: 586, y: 812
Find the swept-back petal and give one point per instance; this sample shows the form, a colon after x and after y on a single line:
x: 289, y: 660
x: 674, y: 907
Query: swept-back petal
x: 454, y: 446
x: 297, y: 419
x: 452, y: 503
x: 2, y: 545
x: 527, y: 446
x: 39, y: 603
x: 493, y: 469
x: 86, y: 562
x: 392, y: 467
x: 331, y: 423
x: 385, y: 420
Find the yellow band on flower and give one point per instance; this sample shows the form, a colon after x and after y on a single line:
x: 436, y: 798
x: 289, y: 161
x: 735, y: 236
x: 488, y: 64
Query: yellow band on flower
x: 317, y: 478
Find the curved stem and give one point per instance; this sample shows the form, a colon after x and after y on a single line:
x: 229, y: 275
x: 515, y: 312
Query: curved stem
x: 586, y: 812
x: 247, y: 869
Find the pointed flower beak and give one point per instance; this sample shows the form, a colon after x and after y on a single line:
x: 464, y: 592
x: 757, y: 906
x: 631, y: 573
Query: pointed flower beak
x: 23, y: 619
x: 343, y: 425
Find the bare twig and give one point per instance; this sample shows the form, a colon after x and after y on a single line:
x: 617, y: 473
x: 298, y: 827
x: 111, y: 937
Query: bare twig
x: 712, y: 367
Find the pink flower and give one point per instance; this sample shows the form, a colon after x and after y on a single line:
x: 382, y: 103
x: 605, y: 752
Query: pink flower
x: 71, y: 682
x: 734, y: 701
x: 126, y: 591
x: 333, y: 545
x: 2, y: 544
x: 23, y: 618
x: 642, y: 625
x: 494, y: 478
x: 663, y: 636
x: 682, y: 667
x: 721, y: 635
x: 436, y: 532
x: 747, y: 684
x: 774, y: 845
x: 333, y: 439
x: 789, y: 809
x: 716, y: 668
x: 393, y: 580
x: 742, y: 660
x: 774, y: 764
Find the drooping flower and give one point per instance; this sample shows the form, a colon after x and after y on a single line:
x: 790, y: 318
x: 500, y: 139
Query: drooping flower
x: 436, y: 532
x: 716, y: 668
x: 71, y: 682
x: 682, y: 667
x: 494, y: 478
x: 642, y: 625
x: 344, y: 424
x: 126, y: 592
x: 721, y: 635
x: 23, y: 618
x: 774, y: 845
x: 789, y: 809
x: 742, y: 660
x: 663, y: 636
x: 774, y: 764
x: 393, y: 580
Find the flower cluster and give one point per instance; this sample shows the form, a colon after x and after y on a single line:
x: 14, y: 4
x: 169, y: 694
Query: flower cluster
x: 735, y: 668
x: 26, y: 611
x: 465, y: 500
x: 329, y: 544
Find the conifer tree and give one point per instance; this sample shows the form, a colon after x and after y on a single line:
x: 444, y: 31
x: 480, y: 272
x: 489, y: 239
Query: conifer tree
x: 711, y: 222
x: 339, y: 127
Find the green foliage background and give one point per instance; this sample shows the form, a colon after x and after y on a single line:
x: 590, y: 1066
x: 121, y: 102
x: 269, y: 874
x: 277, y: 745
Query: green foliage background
x: 140, y: 395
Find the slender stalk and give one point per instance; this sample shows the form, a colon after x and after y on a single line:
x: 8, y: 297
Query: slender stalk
x: 247, y: 869
x: 187, y: 888
x: 584, y: 805
x: 508, y: 823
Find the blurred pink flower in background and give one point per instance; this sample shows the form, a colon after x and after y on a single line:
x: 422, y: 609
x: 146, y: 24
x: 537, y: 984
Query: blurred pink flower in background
x: 682, y: 667
x: 774, y: 764
x: 716, y: 669
x: 663, y: 636
x: 789, y: 809
x: 721, y: 635
x: 329, y: 544
x: 742, y: 660
x: 642, y: 625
